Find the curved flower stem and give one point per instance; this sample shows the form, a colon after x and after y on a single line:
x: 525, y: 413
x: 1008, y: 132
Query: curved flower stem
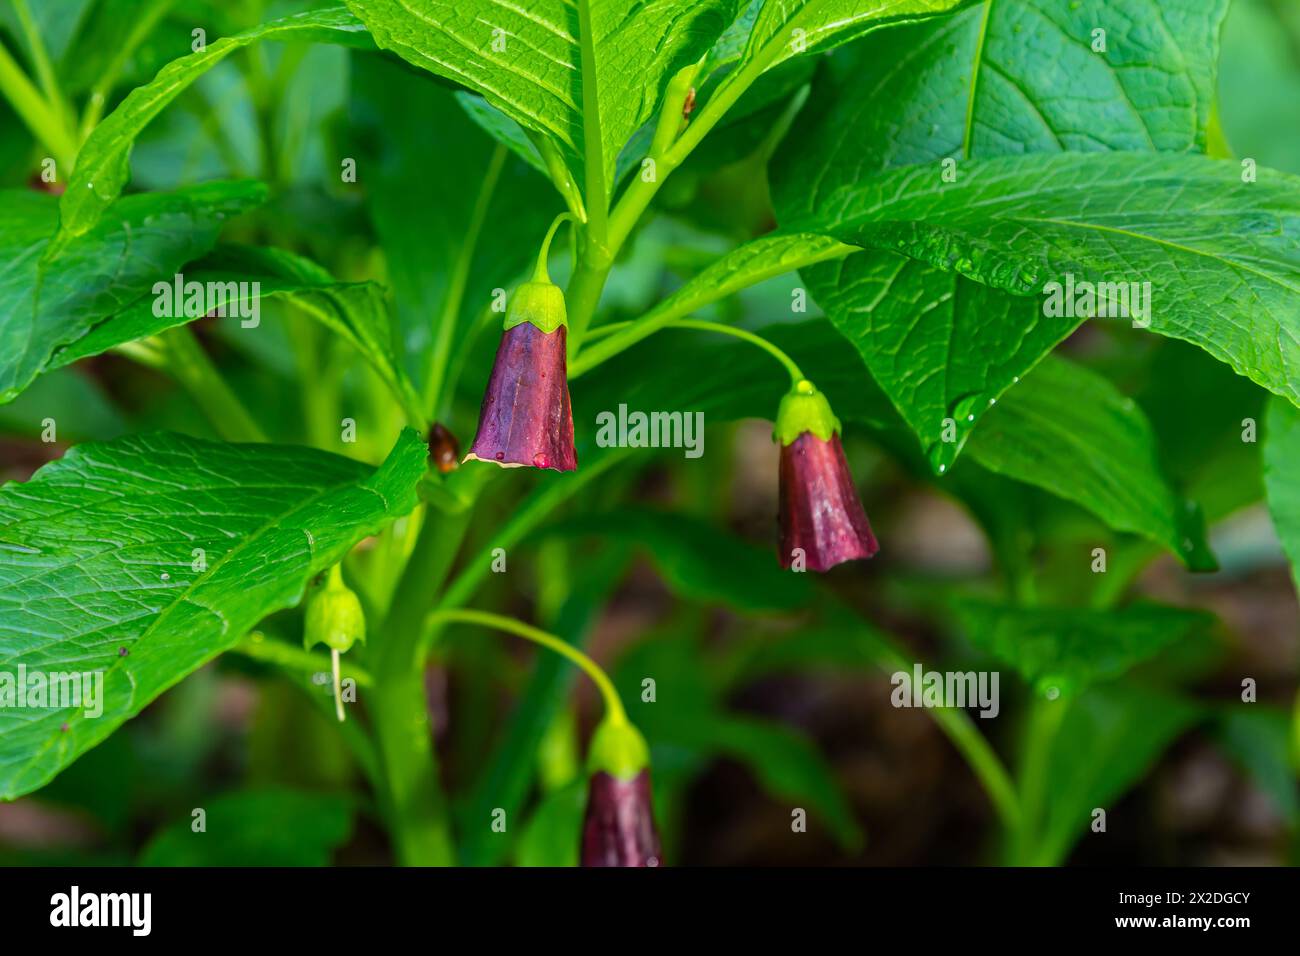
x: 680, y: 305
x: 531, y: 513
x: 744, y: 334
x: 540, y: 272
x: 613, y: 705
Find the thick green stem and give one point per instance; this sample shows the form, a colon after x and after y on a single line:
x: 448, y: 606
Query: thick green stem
x: 670, y: 151
x: 593, y: 143
x: 583, y: 293
x: 1042, y: 724
x: 190, y: 366
x: 413, y: 797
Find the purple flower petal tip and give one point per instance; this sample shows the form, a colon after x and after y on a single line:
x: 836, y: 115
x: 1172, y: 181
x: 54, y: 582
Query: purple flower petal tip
x: 526, y: 420
x: 820, y: 511
x: 619, y: 828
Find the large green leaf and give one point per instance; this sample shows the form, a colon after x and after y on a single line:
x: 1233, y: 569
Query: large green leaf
x: 1221, y: 255
x: 103, y: 163
x: 1067, y: 649
x: 553, y: 63
x: 1282, y: 477
x: 997, y: 79
x: 1108, y: 739
x: 45, y: 306
x: 356, y: 311
x: 1070, y: 431
x: 102, y: 572
x: 256, y: 828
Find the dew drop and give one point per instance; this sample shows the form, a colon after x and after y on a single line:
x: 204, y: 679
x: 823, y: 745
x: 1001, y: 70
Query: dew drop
x: 166, y: 576
x: 500, y: 456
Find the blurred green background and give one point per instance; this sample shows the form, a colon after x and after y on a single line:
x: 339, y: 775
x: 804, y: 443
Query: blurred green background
x: 771, y: 692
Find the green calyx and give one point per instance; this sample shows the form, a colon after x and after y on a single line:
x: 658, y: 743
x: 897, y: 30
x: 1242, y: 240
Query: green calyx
x: 540, y: 302
x: 804, y: 409
x: 334, y: 616
x: 618, y: 749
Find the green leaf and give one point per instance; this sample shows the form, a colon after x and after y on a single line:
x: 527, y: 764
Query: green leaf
x: 539, y: 78
x: 102, y: 574
x: 786, y: 28
x: 996, y: 79
x: 47, y: 305
x: 1070, y: 431
x: 256, y: 828
x: 700, y: 561
x: 1068, y: 649
x: 355, y: 311
x: 103, y: 162
x: 1108, y: 740
x: 1258, y: 738
x: 1221, y: 255
x: 1282, y: 477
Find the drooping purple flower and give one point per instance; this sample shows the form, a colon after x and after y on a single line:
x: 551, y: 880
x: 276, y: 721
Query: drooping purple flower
x: 820, y: 510
x: 619, y: 827
x: 526, y: 420
x: 822, y: 521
